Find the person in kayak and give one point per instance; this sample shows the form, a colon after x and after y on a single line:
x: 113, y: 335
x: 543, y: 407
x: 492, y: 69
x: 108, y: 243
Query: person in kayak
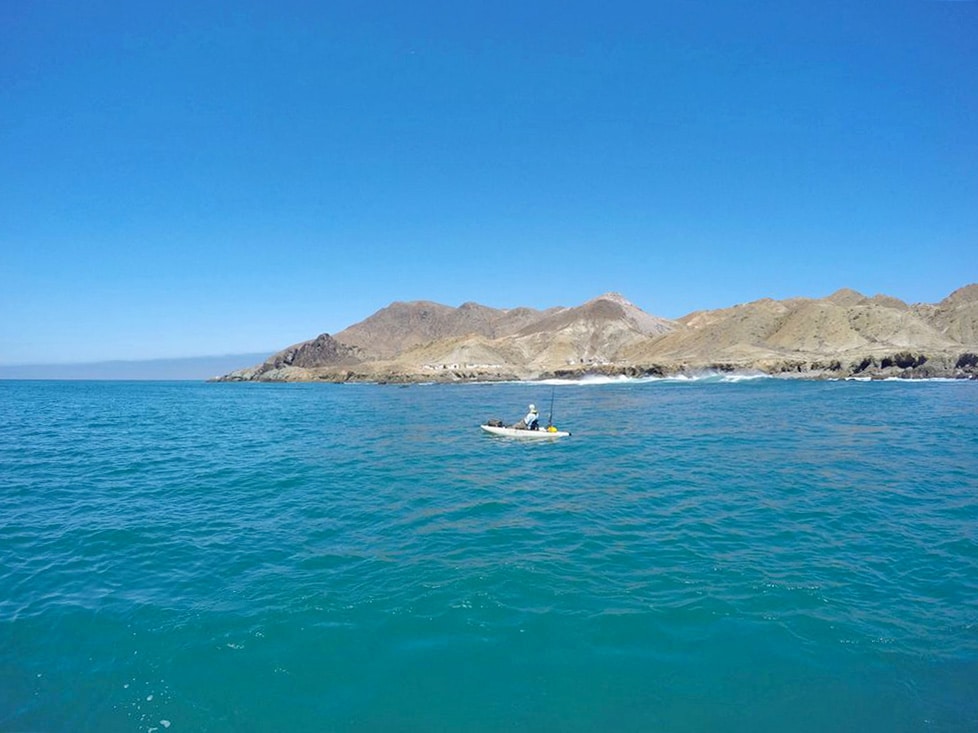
x: 531, y: 421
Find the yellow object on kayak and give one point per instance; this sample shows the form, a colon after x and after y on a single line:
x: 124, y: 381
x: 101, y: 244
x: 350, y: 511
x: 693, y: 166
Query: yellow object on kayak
x: 551, y: 428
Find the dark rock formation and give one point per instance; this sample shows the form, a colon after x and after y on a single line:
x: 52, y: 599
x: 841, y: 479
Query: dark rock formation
x: 323, y: 350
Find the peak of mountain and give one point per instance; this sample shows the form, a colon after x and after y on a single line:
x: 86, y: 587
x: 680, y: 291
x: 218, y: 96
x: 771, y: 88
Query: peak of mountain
x: 600, y: 311
x: 962, y: 296
x: 956, y: 316
x: 887, y: 301
x: 612, y: 297
x: 846, y: 296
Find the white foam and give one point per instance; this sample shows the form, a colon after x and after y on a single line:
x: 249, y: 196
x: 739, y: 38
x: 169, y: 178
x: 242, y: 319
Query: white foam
x: 591, y: 380
x: 588, y: 380
x: 744, y: 377
x: 599, y: 380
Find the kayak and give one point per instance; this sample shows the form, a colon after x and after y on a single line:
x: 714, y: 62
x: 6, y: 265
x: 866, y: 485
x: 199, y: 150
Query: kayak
x: 517, y: 433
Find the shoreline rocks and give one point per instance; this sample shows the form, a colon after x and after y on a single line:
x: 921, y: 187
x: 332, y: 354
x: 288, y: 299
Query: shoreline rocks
x: 873, y: 367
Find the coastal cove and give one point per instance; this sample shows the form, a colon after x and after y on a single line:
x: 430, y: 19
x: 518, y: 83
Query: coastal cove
x: 719, y: 554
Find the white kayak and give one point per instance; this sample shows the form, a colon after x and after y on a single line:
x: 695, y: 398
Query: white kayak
x: 524, y: 433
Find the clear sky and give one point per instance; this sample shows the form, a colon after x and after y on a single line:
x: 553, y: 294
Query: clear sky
x: 189, y: 178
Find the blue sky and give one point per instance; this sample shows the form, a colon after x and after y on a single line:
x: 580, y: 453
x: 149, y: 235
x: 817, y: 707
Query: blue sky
x: 188, y: 178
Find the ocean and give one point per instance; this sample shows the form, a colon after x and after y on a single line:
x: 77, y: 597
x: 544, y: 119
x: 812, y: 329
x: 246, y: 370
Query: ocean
x: 701, y: 555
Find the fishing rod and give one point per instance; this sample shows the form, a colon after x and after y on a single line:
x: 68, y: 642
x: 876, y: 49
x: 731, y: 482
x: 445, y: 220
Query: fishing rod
x: 550, y: 420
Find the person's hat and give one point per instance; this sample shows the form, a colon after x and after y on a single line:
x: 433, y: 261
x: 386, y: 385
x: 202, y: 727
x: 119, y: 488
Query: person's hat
x: 533, y: 408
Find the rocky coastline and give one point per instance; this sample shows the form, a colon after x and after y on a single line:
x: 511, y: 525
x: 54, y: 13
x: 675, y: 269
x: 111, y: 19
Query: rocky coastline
x: 844, y: 336
x: 964, y: 366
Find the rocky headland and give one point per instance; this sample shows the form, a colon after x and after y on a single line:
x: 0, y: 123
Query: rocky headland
x: 844, y: 335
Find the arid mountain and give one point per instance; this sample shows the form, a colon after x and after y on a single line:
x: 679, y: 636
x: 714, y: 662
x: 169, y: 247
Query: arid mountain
x: 595, y: 333
x: 844, y: 334
x: 956, y: 316
x: 401, y: 326
x: 845, y: 324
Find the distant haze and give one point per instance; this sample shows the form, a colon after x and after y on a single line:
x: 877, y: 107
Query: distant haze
x: 193, y: 368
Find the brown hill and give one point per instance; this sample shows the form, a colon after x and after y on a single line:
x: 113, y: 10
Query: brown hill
x: 846, y: 333
x: 595, y: 333
x: 846, y: 324
x: 402, y: 326
x: 956, y: 316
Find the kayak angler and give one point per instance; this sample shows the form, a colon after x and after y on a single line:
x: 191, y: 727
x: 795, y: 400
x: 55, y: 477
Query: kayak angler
x: 528, y: 427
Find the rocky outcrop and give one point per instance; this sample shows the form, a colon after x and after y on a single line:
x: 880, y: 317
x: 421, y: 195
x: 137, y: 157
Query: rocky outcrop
x: 295, y: 362
x: 846, y: 334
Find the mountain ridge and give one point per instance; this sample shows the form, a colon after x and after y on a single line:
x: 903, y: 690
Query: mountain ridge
x: 845, y: 334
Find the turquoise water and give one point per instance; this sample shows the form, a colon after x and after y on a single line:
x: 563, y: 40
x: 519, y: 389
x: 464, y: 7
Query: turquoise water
x: 761, y: 555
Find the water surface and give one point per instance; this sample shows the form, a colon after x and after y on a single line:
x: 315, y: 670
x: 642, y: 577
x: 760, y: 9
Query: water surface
x: 763, y: 555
